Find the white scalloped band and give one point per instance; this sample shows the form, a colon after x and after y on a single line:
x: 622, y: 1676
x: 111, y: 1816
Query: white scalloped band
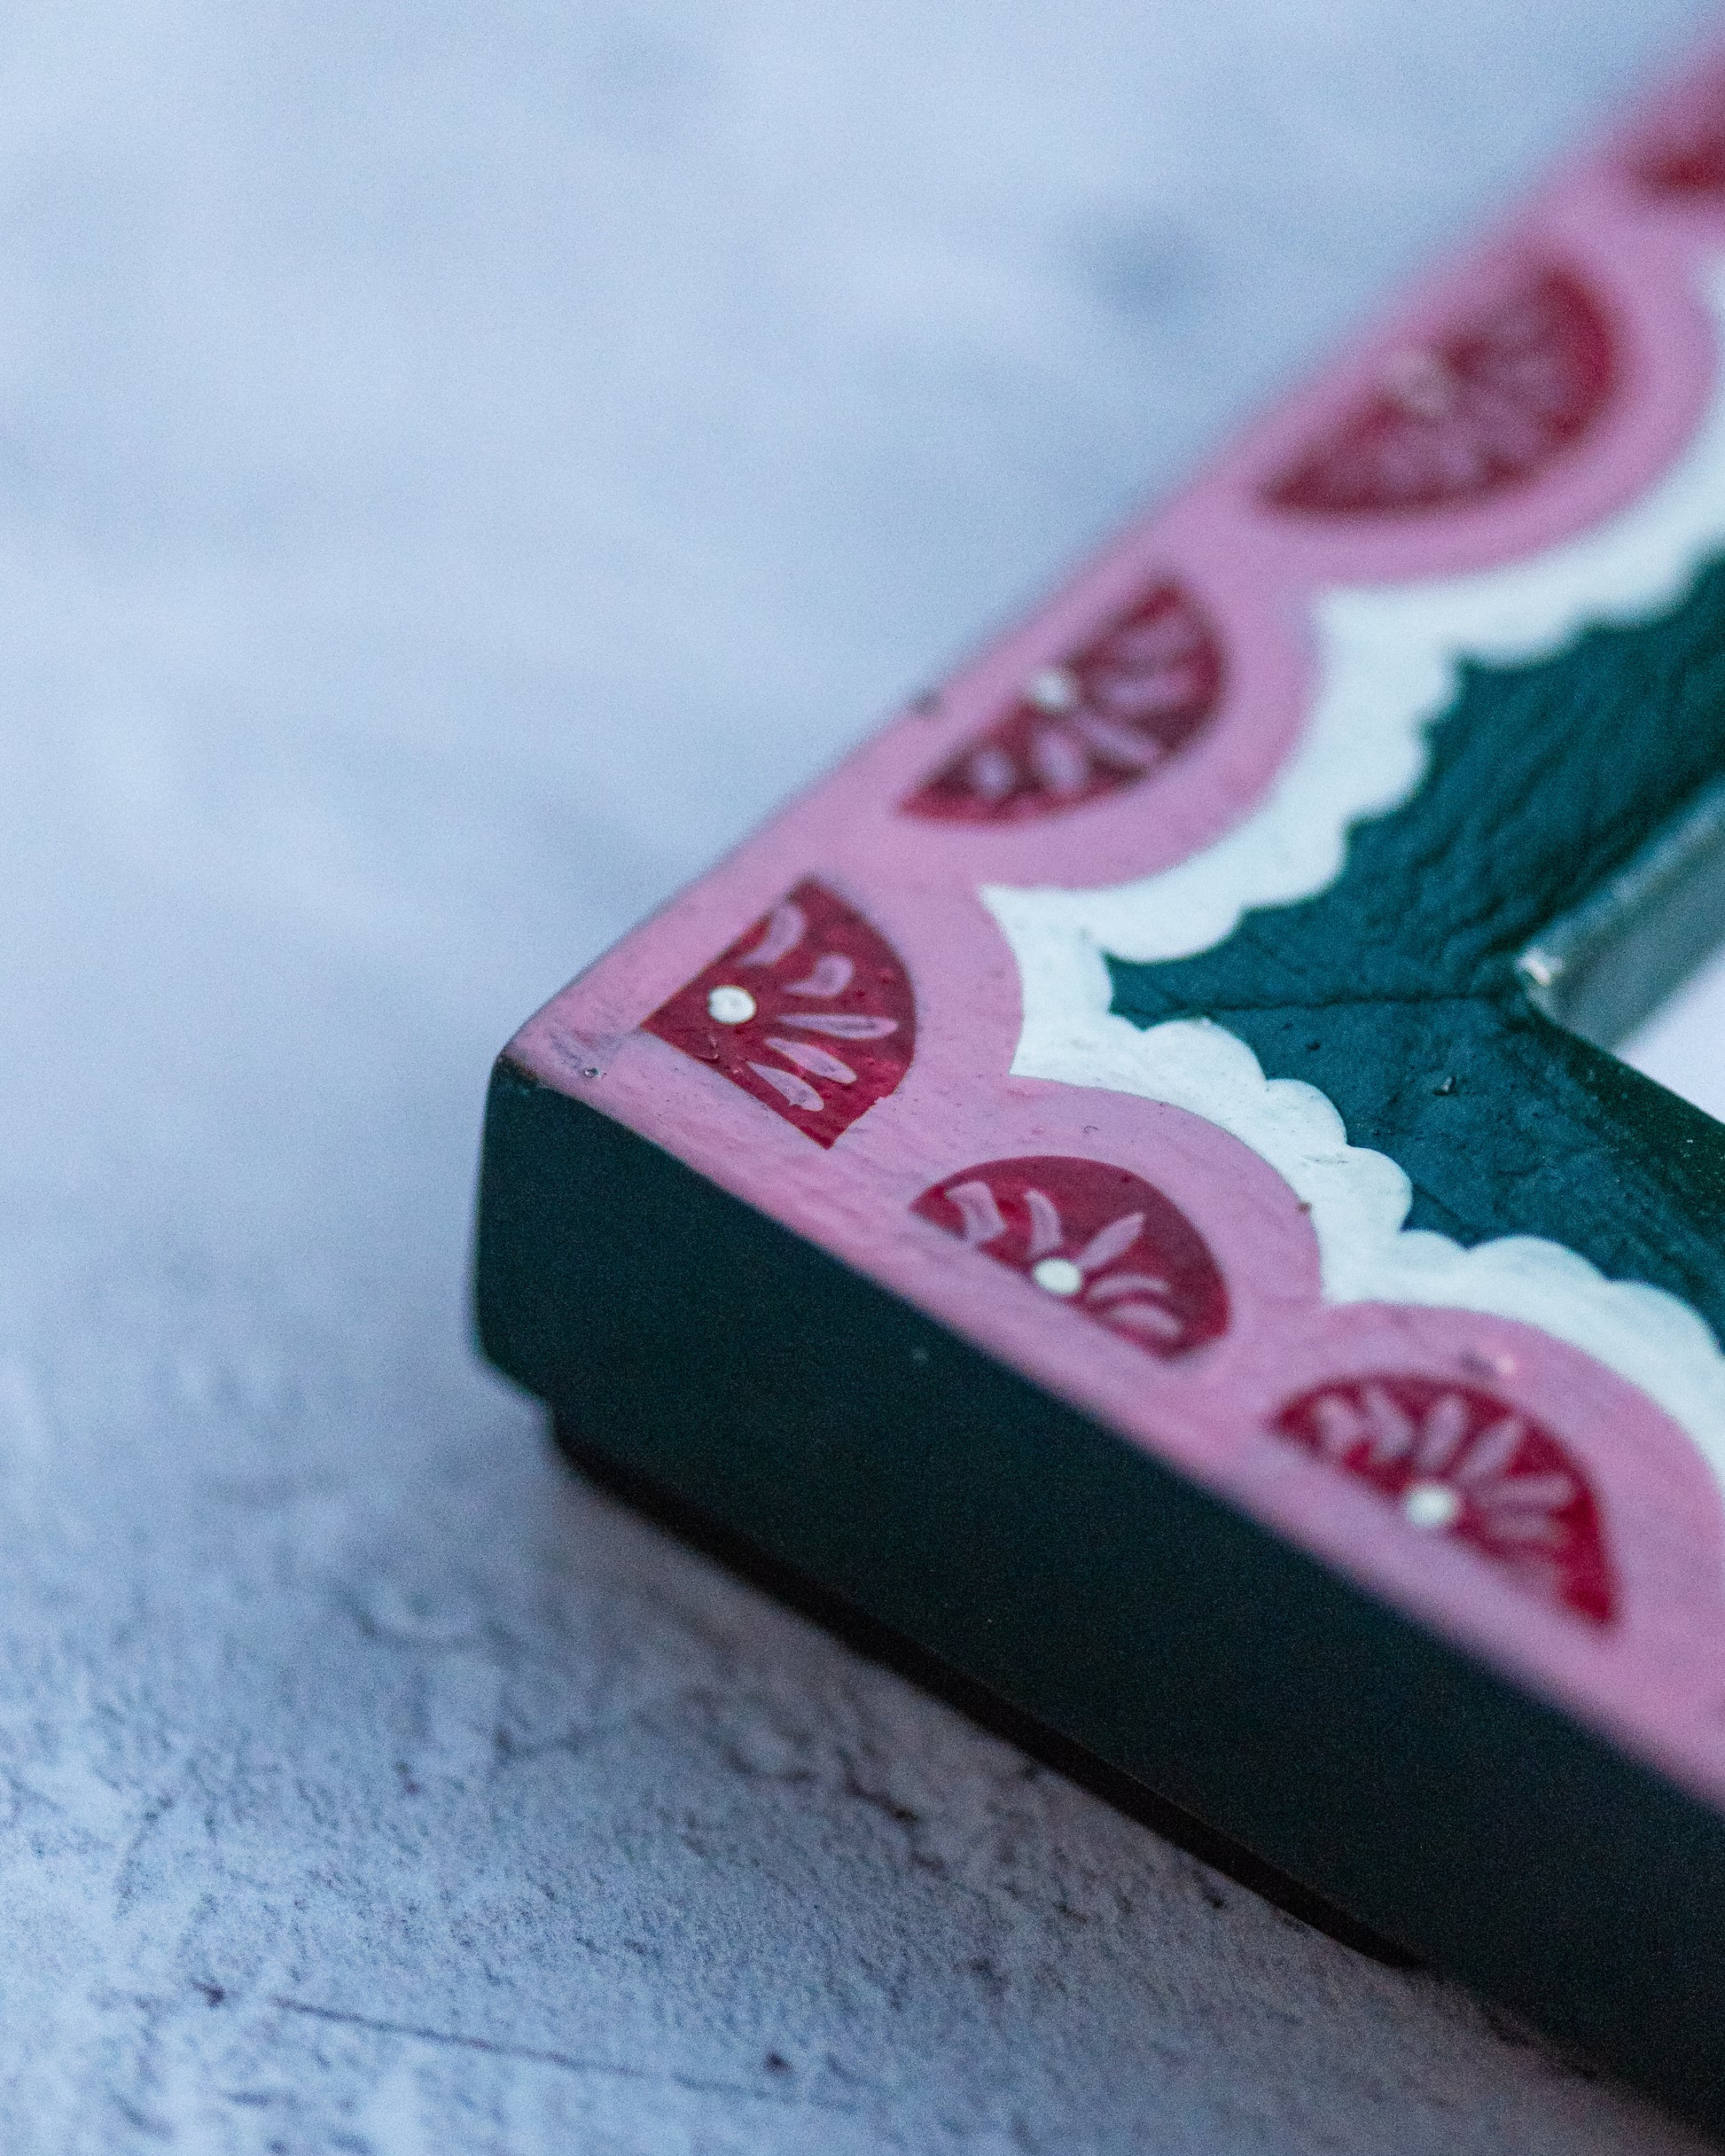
x: 1389, y: 659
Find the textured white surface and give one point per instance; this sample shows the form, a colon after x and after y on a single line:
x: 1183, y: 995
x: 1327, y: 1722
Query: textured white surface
x: 1683, y: 1045
x: 457, y: 467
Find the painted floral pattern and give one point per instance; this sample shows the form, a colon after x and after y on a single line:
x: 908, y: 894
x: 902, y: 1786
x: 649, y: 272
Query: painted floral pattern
x: 1685, y: 158
x: 1094, y: 1236
x: 1108, y: 716
x: 1466, y: 416
x: 1455, y: 1461
x: 810, y: 1012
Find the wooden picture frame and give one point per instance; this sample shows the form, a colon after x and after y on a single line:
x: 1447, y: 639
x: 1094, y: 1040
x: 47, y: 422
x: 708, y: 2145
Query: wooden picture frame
x: 1124, y: 1186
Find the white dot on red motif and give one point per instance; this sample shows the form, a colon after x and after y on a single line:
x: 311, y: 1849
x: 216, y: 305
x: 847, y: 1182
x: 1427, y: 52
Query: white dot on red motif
x: 1052, y: 690
x: 1430, y: 1504
x: 1058, y: 1276
x: 730, y: 1007
x: 1421, y: 384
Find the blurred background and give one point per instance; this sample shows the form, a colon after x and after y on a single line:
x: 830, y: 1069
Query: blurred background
x: 459, y: 467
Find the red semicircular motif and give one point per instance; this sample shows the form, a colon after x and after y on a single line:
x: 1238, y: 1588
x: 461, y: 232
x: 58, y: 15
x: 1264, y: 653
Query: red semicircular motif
x: 810, y: 1012
x: 1458, y: 1463
x: 1107, y: 717
x: 1094, y: 1236
x: 1466, y: 416
x: 1686, y: 156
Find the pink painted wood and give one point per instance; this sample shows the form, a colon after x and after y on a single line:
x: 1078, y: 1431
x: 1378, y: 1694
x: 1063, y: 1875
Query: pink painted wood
x: 826, y: 1025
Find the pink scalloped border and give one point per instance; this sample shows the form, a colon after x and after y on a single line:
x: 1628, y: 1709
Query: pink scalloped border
x: 1656, y: 1676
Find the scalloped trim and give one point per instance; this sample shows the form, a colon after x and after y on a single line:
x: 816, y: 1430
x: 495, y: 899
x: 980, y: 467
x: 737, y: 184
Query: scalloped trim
x: 1388, y: 661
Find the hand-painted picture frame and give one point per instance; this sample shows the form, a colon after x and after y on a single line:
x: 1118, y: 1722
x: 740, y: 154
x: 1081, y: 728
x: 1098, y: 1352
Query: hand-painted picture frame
x: 1126, y: 1188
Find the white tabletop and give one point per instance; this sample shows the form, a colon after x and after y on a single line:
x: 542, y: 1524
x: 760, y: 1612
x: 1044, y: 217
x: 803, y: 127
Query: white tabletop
x: 459, y: 464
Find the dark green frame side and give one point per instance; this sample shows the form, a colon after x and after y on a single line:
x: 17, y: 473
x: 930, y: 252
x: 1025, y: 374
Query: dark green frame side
x: 706, y: 1354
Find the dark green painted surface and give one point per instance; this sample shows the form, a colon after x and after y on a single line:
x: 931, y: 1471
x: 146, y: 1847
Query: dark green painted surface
x: 703, y: 1353
x: 708, y: 1353
x: 1396, y: 989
